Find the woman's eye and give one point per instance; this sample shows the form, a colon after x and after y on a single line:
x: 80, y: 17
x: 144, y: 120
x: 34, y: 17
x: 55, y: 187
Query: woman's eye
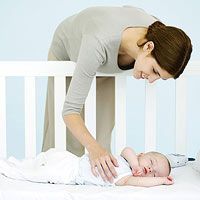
x: 154, y: 71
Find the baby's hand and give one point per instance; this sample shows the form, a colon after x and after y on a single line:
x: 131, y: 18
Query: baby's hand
x: 168, y: 180
x: 137, y: 170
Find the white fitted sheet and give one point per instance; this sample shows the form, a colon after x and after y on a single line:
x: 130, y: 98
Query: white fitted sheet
x: 187, y: 186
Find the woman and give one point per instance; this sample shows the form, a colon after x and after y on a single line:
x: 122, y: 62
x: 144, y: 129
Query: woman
x: 109, y: 40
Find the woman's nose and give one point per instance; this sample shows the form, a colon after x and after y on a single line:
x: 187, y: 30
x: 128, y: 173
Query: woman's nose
x: 144, y: 76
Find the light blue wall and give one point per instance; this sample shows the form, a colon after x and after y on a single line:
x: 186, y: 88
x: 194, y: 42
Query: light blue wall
x: 26, y: 31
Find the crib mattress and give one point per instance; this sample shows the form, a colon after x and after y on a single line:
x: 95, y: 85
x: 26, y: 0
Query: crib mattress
x: 187, y: 186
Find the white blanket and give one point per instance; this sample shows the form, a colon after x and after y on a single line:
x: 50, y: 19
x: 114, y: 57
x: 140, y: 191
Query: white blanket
x: 196, y: 164
x: 186, y: 187
x: 47, y: 167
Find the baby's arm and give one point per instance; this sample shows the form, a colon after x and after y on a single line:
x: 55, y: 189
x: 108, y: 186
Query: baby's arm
x: 131, y: 157
x: 144, y: 181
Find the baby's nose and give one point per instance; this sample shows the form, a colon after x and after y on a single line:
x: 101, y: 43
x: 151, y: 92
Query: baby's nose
x: 149, y: 169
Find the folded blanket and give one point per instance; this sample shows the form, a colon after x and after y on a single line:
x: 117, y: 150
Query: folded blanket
x: 47, y: 167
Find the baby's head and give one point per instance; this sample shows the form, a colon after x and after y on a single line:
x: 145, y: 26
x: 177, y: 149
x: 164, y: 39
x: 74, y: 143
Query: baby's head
x: 154, y: 164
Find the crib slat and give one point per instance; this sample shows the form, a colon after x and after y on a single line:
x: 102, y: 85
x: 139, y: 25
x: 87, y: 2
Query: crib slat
x: 3, y: 117
x: 90, y: 109
x: 181, y: 115
x: 150, y: 117
x: 59, y: 98
x: 120, y: 113
x: 30, y: 117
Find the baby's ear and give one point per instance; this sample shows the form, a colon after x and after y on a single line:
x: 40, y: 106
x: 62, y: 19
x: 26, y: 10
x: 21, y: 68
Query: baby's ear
x: 140, y: 154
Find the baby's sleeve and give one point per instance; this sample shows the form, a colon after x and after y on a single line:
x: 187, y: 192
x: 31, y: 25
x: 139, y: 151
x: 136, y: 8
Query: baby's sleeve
x: 123, y: 169
x: 91, y: 56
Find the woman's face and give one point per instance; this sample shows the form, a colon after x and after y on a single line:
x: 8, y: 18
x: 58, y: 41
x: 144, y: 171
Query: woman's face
x: 146, y: 67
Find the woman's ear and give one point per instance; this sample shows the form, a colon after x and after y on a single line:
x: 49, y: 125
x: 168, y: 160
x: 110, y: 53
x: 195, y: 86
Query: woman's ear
x: 148, y: 47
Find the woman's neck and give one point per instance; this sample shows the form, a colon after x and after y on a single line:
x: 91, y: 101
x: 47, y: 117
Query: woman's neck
x: 130, y: 37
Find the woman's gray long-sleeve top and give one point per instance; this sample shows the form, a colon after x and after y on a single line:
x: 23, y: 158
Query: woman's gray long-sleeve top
x: 92, y: 39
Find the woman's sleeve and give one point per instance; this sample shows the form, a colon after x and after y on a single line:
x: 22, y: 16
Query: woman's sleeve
x: 91, y: 56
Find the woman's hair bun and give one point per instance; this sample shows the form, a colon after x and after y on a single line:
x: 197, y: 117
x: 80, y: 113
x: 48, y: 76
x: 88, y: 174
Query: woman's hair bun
x: 155, y: 26
x: 172, y: 47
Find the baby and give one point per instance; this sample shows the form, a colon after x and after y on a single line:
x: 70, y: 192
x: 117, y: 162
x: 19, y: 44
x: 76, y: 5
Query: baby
x: 63, y: 167
x: 148, y: 169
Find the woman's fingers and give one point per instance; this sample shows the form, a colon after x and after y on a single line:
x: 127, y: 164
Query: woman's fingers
x: 101, y: 171
x: 106, y: 169
x: 93, y: 168
x: 102, y: 163
x: 114, y: 160
x: 110, y: 163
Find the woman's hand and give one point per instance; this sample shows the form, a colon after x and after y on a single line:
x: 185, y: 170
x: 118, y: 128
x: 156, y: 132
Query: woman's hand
x: 103, y: 163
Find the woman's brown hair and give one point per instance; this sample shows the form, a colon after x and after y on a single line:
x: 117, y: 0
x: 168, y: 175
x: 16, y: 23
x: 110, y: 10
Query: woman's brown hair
x: 172, y: 47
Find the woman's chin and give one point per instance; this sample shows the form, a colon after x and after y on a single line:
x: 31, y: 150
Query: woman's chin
x: 136, y: 77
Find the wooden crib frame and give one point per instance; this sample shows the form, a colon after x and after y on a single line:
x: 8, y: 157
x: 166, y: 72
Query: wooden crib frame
x: 59, y: 69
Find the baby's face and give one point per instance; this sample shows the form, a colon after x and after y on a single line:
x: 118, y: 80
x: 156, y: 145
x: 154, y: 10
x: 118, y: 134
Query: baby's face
x: 153, y: 165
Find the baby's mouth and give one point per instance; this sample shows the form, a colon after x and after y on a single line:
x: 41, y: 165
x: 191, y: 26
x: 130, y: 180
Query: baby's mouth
x: 145, y: 170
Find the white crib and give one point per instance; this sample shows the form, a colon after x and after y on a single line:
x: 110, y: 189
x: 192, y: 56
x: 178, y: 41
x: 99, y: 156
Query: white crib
x: 30, y: 70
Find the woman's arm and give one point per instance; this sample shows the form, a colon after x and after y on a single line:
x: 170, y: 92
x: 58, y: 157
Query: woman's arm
x: 76, y: 125
x: 98, y: 156
x: 144, y: 181
x: 91, y: 56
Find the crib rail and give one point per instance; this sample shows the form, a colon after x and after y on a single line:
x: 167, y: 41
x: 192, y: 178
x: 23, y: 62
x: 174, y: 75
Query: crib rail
x: 29, y: 70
